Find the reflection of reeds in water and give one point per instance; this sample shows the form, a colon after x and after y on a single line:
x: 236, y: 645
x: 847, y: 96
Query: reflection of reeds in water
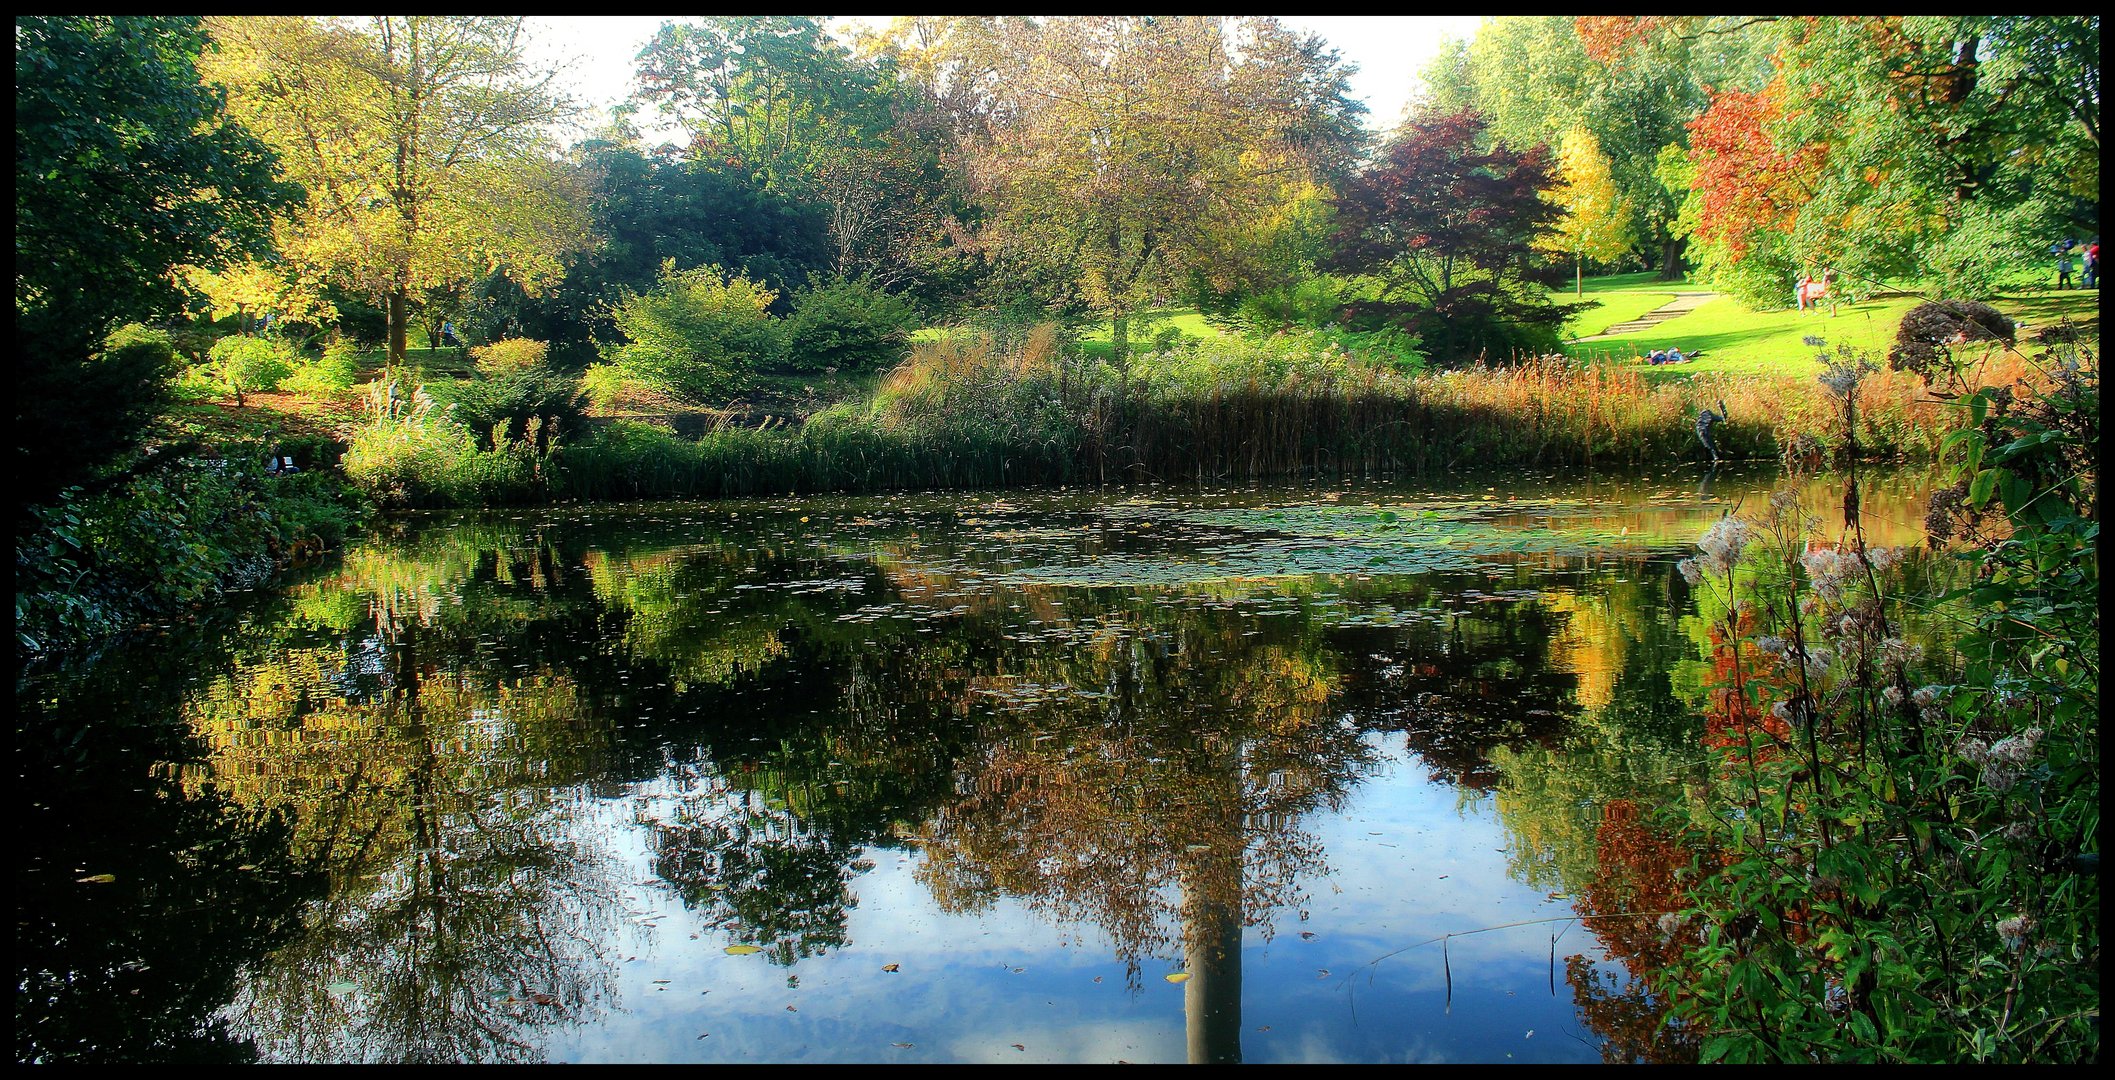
x: 968, y: 411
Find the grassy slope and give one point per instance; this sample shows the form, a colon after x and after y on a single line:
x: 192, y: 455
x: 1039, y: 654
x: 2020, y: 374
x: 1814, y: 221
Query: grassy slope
x: 1616, y: 298
x: 1739, y: 341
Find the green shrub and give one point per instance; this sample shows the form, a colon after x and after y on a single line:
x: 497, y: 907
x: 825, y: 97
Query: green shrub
x: 1313, y: 301
x: 697, y: 334
x: 509, y: 355
x: 136, y: 333
x: 246, y: 364
x: 603, y: 385
x: 499, y: 409
x: 328, y: 376
x: 172, y: 537
x: 848, y: 325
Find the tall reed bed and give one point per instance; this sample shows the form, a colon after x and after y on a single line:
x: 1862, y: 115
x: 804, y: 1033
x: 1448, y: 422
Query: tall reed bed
x: 975, y: 410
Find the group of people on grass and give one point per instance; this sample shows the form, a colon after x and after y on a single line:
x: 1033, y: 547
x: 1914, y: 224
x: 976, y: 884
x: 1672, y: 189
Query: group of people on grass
x: 1671, y: 355
x: 2064, y: 253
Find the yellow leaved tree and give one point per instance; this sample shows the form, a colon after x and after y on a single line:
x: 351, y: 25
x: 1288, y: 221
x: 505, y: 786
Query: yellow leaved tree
x: 425, y: 143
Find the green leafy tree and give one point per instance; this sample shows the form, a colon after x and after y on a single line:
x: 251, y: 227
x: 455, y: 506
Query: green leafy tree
x: 775, y: 95
x: 125, y: 168
x: 1121, y: 150
x: 423, y: 142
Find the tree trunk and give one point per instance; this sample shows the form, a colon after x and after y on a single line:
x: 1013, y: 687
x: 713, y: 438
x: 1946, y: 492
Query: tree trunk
x: 397, y: 327
x: 1670, y: 258
x: 1120, y: 337
x: 1579, y: 276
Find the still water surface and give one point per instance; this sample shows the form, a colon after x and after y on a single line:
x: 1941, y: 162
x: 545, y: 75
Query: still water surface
x: 1143, y: 775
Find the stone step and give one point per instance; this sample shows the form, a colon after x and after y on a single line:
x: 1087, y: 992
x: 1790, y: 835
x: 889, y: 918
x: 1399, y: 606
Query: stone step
x: 1682, y: 304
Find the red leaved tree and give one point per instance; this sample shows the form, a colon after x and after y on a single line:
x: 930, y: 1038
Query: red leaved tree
x: 1449, y: 228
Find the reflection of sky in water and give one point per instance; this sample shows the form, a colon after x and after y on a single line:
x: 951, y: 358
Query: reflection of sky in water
x: 908, y: 663
x: 1410, y: 860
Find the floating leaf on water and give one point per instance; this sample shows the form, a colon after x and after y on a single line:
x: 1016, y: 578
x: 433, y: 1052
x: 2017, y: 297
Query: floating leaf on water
x: 741, y: 950
x: 1177, y: 976
x: 891, y: 967
x: 903, y: 1046
x: 97, y: 879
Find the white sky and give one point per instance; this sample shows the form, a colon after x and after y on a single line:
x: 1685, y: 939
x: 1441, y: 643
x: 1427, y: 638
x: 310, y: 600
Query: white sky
x: 1388, y: 50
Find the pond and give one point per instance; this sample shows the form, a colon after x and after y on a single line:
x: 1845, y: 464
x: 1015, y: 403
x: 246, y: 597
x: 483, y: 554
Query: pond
x: 1026, y: 776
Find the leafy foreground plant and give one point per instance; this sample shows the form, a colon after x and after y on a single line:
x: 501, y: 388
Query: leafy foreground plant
x: 1907, y: 848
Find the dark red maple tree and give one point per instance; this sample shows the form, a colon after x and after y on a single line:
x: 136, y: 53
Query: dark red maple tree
x: 1447, y: 226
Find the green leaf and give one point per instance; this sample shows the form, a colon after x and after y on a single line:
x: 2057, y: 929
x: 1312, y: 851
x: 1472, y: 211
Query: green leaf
x: 1979, y: 488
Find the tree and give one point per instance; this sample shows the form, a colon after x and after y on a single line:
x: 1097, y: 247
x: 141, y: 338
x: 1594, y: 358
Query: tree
x: 1596, y: 221
x: 1746, y: 193
x: 1945, y: 148
x: 1445, y: 228
x: 1635, y: 91
x: 775, y: 95
x: 647, y: 211
x: 126, y: 167
x: 1115, y: 148
x: 779, y: 100
x: 423, y: 142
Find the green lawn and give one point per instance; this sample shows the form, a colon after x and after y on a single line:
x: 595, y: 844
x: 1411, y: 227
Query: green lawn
x: 1617, y: 298
x: 1735, y: 339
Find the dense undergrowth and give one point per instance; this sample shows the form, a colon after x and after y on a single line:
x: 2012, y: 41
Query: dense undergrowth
x: 1902, y: 851
x: 171, y: 538
x: 988, y: 410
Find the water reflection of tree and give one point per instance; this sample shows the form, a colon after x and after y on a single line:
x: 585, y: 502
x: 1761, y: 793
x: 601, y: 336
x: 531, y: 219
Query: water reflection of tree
x: 461, y: 920
x: 759, y: 874
x: 138, y: 901
x: 1482, y: 678
x: 1572, y: 812
x: 1161, y: 801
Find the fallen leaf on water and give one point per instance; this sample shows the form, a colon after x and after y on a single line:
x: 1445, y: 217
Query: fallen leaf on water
x: 790, y: 1008
x: 1097, y: 978
x: 903, y: 1046
x: 1307, y: 935
x: 1018, y: 1046
x: 891, y: 967
x: 1177, y: 976
x: 543, y: 999
x: 340, y: 989
x: 1017, y: 971
x: 1321, y: 973
x: 97, y: 879
x: 741, y: 950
